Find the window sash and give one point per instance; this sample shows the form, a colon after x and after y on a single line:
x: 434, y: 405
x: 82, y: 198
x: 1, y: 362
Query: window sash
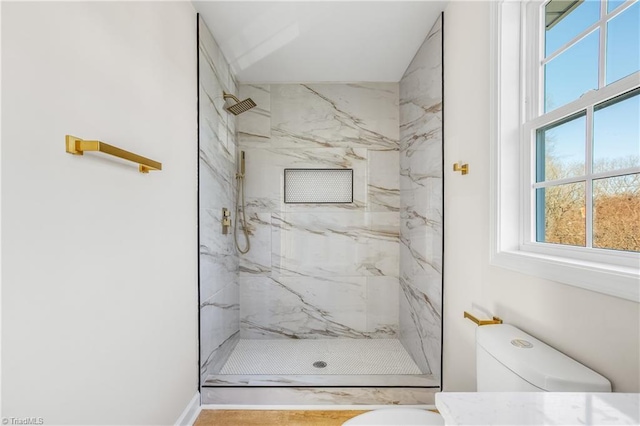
x: 589, y: 99
x: 533, y: 119
x: 535, y: 23
x: 601, y: 23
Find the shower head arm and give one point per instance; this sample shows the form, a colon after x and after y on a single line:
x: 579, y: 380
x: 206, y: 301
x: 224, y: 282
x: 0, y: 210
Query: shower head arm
x: 226, y: 96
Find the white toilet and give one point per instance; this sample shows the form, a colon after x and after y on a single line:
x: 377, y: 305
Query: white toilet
x: 508, y: 360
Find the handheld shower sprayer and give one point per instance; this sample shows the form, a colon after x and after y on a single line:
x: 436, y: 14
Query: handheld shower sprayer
x: 240, y: 199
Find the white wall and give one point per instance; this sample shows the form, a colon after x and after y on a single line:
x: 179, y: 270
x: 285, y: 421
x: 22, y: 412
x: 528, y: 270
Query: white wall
x: 99, y: 274
x: 600, y: 331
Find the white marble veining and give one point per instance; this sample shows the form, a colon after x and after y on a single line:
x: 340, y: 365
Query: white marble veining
x: 539, y: 408
x: 264, y: 181
x: 335, y: 244
x: 258, y: 260
x: 412, y: 331
x: 218, y: 356
x: 302, y: 307
x: 215, y: 163
x: 215, y: 271
x: 220, y: 317
x: 313, y: 308
x: 421, y: 204
x: 256, y: 124
x: 321, y: 270
x: 317, y: 396
x: 346, y: 380
x: 219, y: 263
x: 384, y: 181
x: 382, y: 305
x: 320, y: 115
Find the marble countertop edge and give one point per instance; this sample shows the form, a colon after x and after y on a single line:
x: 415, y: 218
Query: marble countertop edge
x: 539, y: 408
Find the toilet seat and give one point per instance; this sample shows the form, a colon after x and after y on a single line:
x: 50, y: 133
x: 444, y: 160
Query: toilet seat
x: 396, y: 416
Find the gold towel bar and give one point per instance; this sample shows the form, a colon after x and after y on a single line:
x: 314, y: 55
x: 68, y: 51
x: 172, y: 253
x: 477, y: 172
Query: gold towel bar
x: 495, y: 320
x: 77, y: 146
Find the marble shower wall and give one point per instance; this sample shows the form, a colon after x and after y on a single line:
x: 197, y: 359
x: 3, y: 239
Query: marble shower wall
x: 320, y: 270
x: 219, y: 290
x: 421, y: 204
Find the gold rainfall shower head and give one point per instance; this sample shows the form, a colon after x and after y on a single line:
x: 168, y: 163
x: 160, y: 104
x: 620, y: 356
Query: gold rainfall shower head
x: 240, y: 106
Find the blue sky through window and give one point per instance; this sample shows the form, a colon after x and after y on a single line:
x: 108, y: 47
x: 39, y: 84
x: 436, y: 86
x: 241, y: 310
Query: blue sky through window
x: 575, y: 71
x: 616, y: 133
x: 572, y: 73
x: 571, y: 25
x: 623, y: 44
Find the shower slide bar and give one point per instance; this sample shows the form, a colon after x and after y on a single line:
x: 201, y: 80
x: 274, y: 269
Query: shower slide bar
x: 77, y: 146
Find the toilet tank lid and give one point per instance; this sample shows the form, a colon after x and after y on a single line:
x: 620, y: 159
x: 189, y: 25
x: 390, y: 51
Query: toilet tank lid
x: 538, y: 363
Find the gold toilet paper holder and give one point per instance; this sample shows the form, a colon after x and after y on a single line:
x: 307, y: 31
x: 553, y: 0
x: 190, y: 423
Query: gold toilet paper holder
x: 495, y: 320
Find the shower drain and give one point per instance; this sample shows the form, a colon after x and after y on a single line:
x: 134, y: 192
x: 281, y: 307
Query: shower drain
x: 320, y: 364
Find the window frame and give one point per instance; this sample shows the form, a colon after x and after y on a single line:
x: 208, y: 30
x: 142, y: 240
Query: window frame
x: 515, y: 113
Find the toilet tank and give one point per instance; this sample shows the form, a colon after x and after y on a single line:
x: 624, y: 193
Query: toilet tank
x: 510, y: 360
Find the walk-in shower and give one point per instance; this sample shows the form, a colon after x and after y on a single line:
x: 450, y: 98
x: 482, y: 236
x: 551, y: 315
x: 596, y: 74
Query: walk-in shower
x: 337, y: 189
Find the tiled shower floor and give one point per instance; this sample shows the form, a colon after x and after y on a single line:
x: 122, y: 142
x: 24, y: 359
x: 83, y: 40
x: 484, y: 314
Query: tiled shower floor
x: 352, y: 362
x: 344, y: 356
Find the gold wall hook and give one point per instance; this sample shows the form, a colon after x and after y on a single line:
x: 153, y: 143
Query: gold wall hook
x: 461, y: 168
x: 495, y: 320
x: 77, y: 146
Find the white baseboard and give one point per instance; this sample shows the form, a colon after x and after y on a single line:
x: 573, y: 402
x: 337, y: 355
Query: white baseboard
x: 191, y: 412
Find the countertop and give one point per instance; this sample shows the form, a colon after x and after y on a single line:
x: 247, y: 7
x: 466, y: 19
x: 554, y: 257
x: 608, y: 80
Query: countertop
x: 539, y: 408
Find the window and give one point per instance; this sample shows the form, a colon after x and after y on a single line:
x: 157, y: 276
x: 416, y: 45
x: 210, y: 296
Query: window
x: 572, y: 107
x: 583, y: 125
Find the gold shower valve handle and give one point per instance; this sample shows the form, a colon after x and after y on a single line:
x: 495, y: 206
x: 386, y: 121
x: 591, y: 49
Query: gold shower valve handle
x: 479, y: 322
x: 226, y: 220
x: 461, y: 168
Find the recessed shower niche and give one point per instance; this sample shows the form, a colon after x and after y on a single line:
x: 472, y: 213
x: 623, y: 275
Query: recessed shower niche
x: 318, y: 186
x: 337, y: 301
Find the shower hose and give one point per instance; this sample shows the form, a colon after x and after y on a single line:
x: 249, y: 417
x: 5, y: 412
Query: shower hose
x: 240, y: 178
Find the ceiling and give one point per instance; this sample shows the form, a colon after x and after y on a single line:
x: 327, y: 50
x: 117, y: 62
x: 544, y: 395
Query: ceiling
x: 322, y: 41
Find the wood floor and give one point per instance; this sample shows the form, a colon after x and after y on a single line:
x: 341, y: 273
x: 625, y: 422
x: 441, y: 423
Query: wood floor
x: 274, y: 417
